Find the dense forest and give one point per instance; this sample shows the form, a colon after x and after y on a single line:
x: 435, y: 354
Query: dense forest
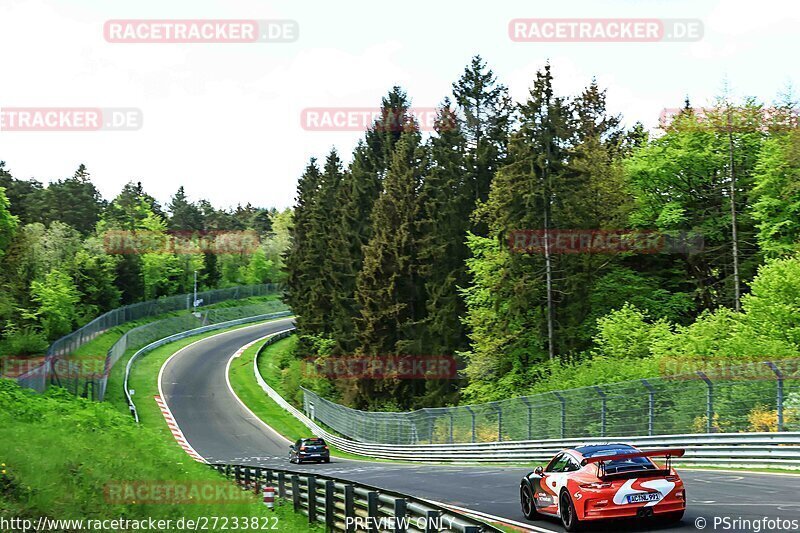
x: 405, y: 249
x: 68, y: 255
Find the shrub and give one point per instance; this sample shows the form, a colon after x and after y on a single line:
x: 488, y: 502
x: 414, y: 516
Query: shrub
x: 762, y: 418
x: 24, y: 342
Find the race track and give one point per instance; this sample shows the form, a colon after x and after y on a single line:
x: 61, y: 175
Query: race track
x: 214, y: 422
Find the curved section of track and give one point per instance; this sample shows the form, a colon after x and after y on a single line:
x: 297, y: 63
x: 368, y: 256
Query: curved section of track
x: 221, y: 429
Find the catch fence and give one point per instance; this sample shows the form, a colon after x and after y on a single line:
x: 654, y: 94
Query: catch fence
x: 754, y: 397
x: 87, y: 375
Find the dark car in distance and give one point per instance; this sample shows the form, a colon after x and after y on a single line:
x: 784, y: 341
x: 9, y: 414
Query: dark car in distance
x: 311, y: 449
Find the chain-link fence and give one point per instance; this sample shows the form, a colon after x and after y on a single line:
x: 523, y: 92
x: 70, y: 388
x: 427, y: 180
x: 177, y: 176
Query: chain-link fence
x: 147, y: 333
x: 86, y: 375
x: 761, y: 396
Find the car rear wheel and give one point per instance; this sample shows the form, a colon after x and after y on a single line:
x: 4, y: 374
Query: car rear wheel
x: 326, y: 460
x: 569, y: 518
x: 528, y: 505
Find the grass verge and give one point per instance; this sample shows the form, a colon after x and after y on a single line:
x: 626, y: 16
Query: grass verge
x: 144, y: 380
x: 247, y: 389
x: 63, y: 457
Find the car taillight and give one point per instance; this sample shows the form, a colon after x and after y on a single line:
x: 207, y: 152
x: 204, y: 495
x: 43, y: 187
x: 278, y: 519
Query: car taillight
x: 326, y: 447
x: 302, y: 448
x: 596, y: 485
x: 679, y: 494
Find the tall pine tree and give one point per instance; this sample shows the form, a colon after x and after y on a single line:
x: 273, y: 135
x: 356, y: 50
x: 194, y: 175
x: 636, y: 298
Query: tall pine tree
x: 389, y: 288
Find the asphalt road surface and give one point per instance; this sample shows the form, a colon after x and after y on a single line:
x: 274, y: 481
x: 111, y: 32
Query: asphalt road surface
x: 214, y: 422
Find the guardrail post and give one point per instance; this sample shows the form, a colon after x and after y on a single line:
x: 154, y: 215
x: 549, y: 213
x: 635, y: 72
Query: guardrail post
x: 372, y: 510
x: 651, y: 393
x: 349, y: 508
x: 296, y: 492
x: 472, y: 414
x: 269, y: 477
x: 563, y: 413
x: 312, y: 499
x: 709, y: 402
x: 330, y: 505
x: 281, y: 485
x: 260, y: 478
x: 431, y: 519
x: 399, y: 515
x: 602, y: 410
x: 779, y: 399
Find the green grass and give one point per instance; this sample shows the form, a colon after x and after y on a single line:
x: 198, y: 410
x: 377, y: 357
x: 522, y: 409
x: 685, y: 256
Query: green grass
x: 247, y: 389
x: 144, y: 380
x: 245, y: 386
x: 242, y: 302
x: 99, y: 346
x: 756, y: 470
x: 269, y: 362
x: 115, y: 392
x: 60, y: 454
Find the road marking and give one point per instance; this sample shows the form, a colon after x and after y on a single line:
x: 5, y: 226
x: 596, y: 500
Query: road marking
x: 176, y: 431
x: 739, y: 504
x: 175, y: 428
x: 740, y: 471
x: 499, y: 519
x: 238, y: 353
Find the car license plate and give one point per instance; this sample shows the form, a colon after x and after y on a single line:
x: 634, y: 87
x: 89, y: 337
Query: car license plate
x: 644, y: 497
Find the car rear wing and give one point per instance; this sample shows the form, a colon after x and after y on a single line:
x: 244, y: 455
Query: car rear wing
x: 601, y: 460
x: 669, y: 453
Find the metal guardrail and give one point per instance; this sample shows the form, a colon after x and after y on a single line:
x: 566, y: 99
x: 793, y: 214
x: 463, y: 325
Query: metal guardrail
x: 182, y: 335
x: 764, y: 449
x: 57, y: 357
x: 147, y: 333
x: 347, y: 506
x: 341, y: 505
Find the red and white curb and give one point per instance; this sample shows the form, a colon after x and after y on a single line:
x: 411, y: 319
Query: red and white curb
x: 240, y: 351
x: 176, y: 431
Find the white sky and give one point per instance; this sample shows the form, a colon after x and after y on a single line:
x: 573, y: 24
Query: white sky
x: 224, y: 119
